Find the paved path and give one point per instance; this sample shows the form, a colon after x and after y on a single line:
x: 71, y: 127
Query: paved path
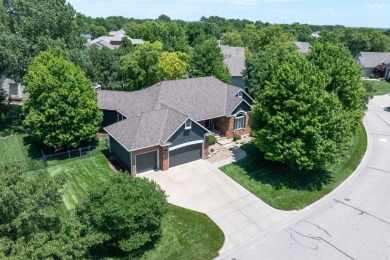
x: 353, y: 222
x: 201, y: 186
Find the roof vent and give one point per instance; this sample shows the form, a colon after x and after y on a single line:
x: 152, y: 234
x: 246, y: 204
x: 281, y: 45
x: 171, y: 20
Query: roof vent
x: 138, y: 115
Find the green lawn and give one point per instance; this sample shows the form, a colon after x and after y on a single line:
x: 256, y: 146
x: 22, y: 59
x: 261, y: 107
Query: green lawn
x: 185, y: 234
x: 288, y: 190
x: 380, y: 87
x: 17, y: 148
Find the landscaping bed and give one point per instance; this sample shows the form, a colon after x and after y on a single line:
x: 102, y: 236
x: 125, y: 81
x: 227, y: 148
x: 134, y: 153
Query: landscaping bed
x: 286, y: 189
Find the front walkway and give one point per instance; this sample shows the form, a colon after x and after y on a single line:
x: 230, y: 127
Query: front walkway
x: 202, y: 187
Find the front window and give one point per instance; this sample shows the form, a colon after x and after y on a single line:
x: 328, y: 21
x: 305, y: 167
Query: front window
x: 188, y: 124
x: 239, y: 121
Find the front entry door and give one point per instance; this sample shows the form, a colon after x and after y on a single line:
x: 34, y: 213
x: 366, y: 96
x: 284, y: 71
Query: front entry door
x: 208, y: 124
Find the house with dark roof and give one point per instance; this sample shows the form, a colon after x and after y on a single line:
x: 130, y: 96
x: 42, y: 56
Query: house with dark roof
x: 303, y: 47
x: 113, y: 40
x: 369, y: 60
x: 168, y: 124
x: 234, y: 59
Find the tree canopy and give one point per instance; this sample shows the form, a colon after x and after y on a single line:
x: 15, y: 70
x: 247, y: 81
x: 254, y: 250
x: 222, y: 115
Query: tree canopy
x: 62, y: 109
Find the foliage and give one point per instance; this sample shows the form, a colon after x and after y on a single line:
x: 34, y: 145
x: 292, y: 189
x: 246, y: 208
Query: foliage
x: 140, y: 68
x: 31, y: 26
x: 212, y: 140
x: 10, y: 122
x: 235, y: 137
x: 343, y: 78
x: 207, y: 60
x: 296, y: 121
x: 29, y: 226
x: 4, y: 102
x: 173, y: 65
x: 125, y: 211
x: 62, y: 110
x: 96, y: 31
x: 287, y: 189
x: 232, y: 39
x: 198, y: 32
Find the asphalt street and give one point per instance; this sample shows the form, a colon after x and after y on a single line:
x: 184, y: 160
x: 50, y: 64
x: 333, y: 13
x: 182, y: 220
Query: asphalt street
x: 352, y: 222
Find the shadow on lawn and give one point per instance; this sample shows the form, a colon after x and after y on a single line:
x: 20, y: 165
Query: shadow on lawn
x: 10, y: 122
x: 279, y: 175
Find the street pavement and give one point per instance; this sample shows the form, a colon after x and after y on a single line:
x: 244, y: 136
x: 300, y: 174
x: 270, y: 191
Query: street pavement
x: 352, y: 222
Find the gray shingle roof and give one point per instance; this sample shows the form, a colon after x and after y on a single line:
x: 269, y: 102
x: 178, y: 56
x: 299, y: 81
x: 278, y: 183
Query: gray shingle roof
x: 234, y: 59
x: 303, y: 47
x: 373, y: 59
x: 164, y: 107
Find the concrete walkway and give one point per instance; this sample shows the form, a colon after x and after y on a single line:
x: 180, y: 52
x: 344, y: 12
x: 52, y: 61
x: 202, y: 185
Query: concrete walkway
x: 202, y: 187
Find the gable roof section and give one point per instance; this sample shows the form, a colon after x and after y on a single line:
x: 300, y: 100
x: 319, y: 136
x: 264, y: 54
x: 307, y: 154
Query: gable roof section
x: 373, y: 59
x: 234, y: 59
x: 303, y: 47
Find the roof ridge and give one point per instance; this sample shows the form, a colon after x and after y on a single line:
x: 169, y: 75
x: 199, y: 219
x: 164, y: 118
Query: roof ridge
x: 157, y: 96
x: 136, y: 131
x: 168, y: 107
x: 163, y: 126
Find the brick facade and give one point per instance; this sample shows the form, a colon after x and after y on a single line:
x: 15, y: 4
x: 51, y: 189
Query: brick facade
x: 164, y: 158
x: 226, y: 125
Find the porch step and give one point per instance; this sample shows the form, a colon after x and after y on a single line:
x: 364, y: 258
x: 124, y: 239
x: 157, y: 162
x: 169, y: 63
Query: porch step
x: 225, y: 141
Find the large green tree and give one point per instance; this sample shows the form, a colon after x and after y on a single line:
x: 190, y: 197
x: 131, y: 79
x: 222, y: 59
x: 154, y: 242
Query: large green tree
x: 62, y: 110
x: 297, y: 121
x: 125, y: 211
x: 232, y: 39
x: 4, y: 103
x: 140, y: 68
x: 30, y: 224
x: 173, y: 65
x: 207, y: 60
x: 30, y: 26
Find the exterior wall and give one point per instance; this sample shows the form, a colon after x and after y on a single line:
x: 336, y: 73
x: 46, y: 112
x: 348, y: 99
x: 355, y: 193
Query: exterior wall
x: 242, y: 107
x: 145, y: 150
x: 368, y: 71
x: 184, y: 136
x: 109, y: 117
x: 120, y: 153
x: 387, y: 73
x: 164, y: 158
x: 247, y: 99
x: 226, y: 125
x: 238, y: 82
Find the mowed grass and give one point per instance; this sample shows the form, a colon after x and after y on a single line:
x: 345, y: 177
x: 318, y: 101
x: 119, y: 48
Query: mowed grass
x: 285, y: 189
x: 186, y: 234
x: 17, y: 148
x: 380, y: 87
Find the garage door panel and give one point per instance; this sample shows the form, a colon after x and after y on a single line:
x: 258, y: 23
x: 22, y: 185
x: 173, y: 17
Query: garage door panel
x: 146, y: 161
x: 185, y: 154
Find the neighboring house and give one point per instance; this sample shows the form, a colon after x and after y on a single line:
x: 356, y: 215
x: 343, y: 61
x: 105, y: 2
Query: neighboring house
x: 369, y: 60
x: 303, y: 47
x: 87, y: 36
x: 14, y: 90
x: 316, y: 34
x: 168, y: 124
x: 234, y: 59
x: 114, y: 40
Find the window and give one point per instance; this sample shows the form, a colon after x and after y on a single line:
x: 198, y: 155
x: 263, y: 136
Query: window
x: 239, y: 121
x: 188, y: 124
x: 240, y: 94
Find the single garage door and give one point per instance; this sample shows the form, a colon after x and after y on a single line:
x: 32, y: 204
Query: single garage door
x: 146, y: 161
x: 185, y: 154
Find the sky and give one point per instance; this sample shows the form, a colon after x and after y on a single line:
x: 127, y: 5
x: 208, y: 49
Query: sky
x: 354, y: 13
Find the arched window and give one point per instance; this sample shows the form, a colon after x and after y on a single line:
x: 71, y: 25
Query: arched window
x: 239, y: 121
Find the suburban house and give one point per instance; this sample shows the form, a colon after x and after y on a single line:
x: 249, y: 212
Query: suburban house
x: 369, y: 60
x: 15, y: 91
x: 168, y: 124
x: 316, y: 34
x: 113, y: 40
x: 303, y: 47
x: 234, y: 59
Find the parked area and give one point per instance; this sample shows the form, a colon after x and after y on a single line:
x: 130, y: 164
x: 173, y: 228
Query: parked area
x: 201, y: 186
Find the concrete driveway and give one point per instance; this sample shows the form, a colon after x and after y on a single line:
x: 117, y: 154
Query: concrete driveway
x: 202, y: 187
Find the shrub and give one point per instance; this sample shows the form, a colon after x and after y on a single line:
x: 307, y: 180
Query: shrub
x: 212, y: 140
x: 125, y: 212
x: 236, y: 137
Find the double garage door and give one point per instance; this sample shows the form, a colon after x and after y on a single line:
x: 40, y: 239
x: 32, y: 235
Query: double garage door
x: 185, y: 154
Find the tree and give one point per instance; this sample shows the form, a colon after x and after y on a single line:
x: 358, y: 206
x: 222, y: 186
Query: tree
x: 30, y: 225
x: 3, y: 101
x: 140, y: 68
x: 232, y: 39
x: 97, y: 31
x: 125, y: 211
x: 343, y: 78
x: 273, y: 35
x: 296, y: 121
x: 31, y: 26
x: 62, y: 110
x: 207, y: 60
x: 173, y: 65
